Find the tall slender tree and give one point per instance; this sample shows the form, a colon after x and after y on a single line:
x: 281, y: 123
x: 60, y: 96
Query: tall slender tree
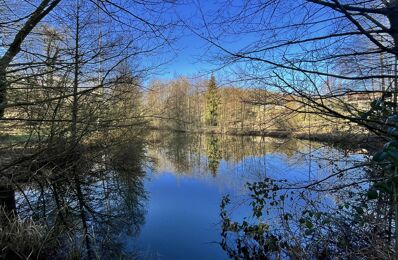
x: 213, y: 102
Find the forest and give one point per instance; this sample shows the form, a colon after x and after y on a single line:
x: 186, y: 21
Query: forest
x: 160, y: 129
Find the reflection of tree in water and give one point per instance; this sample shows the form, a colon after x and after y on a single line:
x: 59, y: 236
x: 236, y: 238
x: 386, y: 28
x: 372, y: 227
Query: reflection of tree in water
x: 331, y: 215
x: 7, y: 198
x: 177, y: 151
x: 181, y: 149
x: 90, y: 203
x: 187, y: 152
x: 213, y: 153
x: 291, y: 223
x: 240, y: 147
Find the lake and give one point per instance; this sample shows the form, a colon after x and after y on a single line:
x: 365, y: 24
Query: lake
x: 192, y: 173
x: 161, y: 199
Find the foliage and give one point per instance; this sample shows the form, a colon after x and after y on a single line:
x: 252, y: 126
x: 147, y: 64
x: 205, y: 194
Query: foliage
x: 213, y: 153
x: 353, y: 227
x: 213, y: 102
x: 276, y: 230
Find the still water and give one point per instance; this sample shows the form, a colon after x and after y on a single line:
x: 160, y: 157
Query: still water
x: 192, y: 173
x: 161, y: 199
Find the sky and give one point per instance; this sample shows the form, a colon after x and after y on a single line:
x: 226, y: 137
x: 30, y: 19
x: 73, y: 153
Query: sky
x: 188, y: 50
x: 192, y: 55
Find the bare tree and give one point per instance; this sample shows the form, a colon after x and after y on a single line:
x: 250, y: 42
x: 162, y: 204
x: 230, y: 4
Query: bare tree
x: 30, y: 22
x: 319, y: 52
x: 327, y: 56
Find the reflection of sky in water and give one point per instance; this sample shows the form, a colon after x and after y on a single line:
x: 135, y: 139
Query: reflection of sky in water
x: 182, y: 218
x: 185, y: 185
x: 184, y: 200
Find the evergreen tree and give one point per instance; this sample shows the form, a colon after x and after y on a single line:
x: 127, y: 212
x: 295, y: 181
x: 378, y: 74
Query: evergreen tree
x: 213, y: 102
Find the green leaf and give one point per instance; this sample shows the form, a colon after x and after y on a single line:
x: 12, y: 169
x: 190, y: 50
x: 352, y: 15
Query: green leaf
x: 379, y: 156
x: 391, y: 131
x: 359, y: 210
x: 309, y: 224
x: 393, y: 154
x: 372, y: 194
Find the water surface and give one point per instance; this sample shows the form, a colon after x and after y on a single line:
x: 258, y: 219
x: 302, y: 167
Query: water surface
x: 161, y: 199
x: 191, y: 173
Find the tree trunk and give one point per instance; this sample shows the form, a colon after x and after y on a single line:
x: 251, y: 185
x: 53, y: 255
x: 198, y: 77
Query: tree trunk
x: 7, y: 201
x: 393, y: 18
x: 76, y: 78
x: 15, y: 47
x: 3, y: 91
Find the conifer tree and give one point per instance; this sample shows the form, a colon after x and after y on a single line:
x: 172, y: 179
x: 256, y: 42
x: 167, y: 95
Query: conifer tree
x: 213, y: 102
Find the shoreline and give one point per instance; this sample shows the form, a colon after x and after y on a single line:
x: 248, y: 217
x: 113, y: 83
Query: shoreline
x: 346, y: 138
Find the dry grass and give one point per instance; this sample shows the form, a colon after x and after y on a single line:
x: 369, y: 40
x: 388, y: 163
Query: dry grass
x: 23, y: 239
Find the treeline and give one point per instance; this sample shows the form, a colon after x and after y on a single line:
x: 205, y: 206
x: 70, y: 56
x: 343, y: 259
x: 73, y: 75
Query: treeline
x: 201, y: 106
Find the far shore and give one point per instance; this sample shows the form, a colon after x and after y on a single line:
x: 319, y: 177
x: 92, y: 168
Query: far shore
x: 339, y: 137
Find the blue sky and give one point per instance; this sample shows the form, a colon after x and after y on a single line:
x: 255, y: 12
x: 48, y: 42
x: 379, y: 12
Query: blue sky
x: 194, y: 56
x: 188, y: 49
x: 191, y: 54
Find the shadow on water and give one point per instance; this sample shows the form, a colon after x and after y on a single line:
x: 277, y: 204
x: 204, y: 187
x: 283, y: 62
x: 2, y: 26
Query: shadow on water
x: 79, y: 209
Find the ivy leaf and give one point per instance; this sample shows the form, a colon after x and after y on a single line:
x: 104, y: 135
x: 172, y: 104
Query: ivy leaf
x: 372, y: 194
x: 359, y: 210
x: 309, y: 224
x: 393, y: 154
x: 380, y: 156
x: 391, y: 131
